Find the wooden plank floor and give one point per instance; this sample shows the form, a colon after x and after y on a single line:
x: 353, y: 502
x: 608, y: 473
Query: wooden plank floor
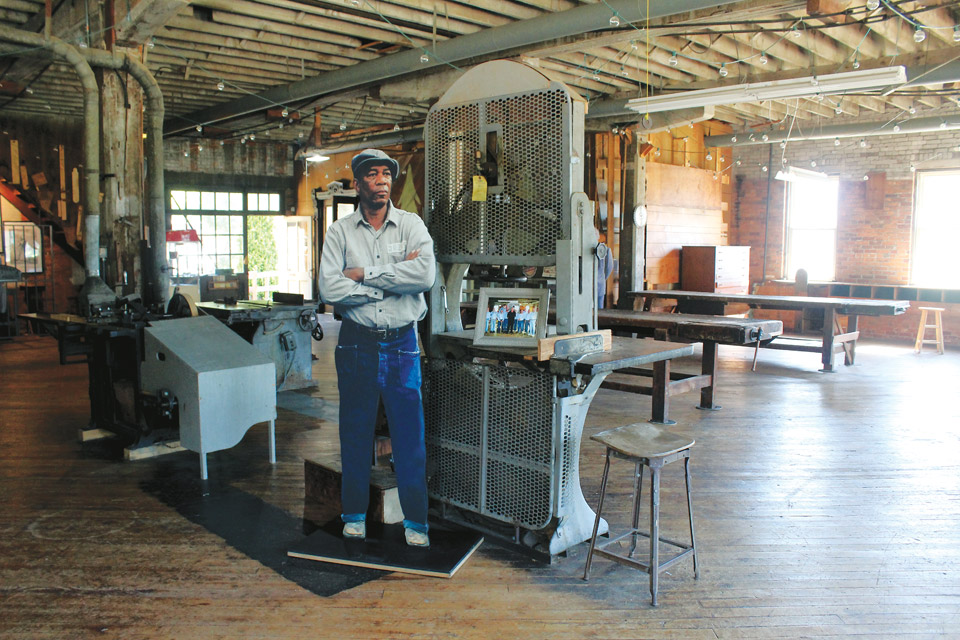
x: 827, y: 505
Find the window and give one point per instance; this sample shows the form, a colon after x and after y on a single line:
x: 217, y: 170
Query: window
x: 811, y: 238
x: 23, y: 246
x: 219, y: 217
x: 936, y: 262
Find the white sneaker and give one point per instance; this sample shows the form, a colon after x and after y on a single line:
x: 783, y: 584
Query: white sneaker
x: 415, y: 538
x: 355, y: 530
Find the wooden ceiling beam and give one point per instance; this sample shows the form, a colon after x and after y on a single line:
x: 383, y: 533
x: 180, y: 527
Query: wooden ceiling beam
x: 336, y: 23
x: 277, y: 43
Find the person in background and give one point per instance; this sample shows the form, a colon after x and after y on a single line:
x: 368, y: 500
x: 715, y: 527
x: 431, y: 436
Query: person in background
x: 376, y: 264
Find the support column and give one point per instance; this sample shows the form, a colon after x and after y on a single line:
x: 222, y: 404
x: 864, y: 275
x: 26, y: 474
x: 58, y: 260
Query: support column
x: 633, y: 228
x: 121, y: 114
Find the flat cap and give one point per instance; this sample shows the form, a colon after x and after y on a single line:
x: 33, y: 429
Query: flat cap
x: 369, y: 157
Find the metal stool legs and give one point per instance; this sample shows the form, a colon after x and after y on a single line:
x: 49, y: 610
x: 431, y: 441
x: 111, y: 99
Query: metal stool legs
x: 654, y: 566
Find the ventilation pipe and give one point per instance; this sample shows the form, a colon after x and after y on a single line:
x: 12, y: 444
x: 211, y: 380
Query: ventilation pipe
x: 155, y: 273
x: 95, y: 292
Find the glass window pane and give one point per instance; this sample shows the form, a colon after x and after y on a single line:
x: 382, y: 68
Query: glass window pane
x: 813, y: 250
x: 274, y: 202
x: 207, y: 201
x: 813, y: 204
x: 236, y: 244
x: 193, y: 200
x: 223, y: 262
x: 236, y: 263
x: 193, y: 221
x: 223, y: 245
x: 252, y: 202
x: 264, y: 201
x: 223, y: 225
x: 236, y: 225
x: 223, y: 201
x: 236, y: 202
x: 178, y: 222
x: 208, y: 225
x: 178, y: 200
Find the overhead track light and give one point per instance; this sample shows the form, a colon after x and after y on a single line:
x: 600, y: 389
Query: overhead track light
x: 829, y: 84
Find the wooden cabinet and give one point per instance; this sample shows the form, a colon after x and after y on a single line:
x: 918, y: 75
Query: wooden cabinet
x: 718, y: 269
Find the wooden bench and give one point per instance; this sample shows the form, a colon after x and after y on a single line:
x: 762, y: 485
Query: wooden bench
x: 833, y: 340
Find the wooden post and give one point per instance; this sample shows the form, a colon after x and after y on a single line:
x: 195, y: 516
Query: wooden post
x: 121, y: 162
x: 631, y: 234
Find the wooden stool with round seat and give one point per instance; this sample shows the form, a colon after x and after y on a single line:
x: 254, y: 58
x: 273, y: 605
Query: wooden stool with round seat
x: 922, y: 330
x: 652, y: 446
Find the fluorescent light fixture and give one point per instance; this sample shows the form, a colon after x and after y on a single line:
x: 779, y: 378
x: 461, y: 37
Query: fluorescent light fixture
x: 316, y: 157
x: 830, y: 84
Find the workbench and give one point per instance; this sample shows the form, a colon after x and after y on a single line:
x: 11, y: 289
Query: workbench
x: 503, y: 430
x: 711, y: 331
x: 832, y: 341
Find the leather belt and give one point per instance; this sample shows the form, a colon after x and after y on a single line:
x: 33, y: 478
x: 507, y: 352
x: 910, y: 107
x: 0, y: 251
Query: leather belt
x: 380, y: 334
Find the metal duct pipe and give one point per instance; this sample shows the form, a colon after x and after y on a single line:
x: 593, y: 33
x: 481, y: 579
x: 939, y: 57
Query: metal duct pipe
x: 486, y: 42
x: 91, y: 136
x: 156, y: 278
x: 858, y: 130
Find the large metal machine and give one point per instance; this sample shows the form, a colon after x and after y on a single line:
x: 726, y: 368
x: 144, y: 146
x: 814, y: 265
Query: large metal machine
x: 503, y: 433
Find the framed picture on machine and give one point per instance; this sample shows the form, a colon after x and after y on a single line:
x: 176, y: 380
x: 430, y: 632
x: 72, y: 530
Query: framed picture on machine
x: 511, y: 317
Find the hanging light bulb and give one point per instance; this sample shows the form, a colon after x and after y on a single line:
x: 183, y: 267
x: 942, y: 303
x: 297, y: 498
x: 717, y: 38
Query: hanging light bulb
x: 243, y: 140
x: 896, y: 128
x: 723, y: 70
x: 863, y: 143
x: 709, y: 156
x: 220, y: 86
x: 252, y: 137
x: 733, y: 138
x: 199, y: 147
x: 865, y: 177
x: 343, y: 126
x: 738, y: 163
x: 919, y: 35
x: 764, y: 137
x: 912, y: 168
x: 795, y: 33
x: 396, y: 127
x: 956, y: 34
x: 221, y: 143
x: 912, y: 109
x: 673, y: 61
x: 424, y: 58
x: 614, y: 20
x: 596, y: 75
x: 813, y: 164
x: 633, y: 45
x: 752, y: 137
x: 783, y: 144
x: 873, y: 5
x: 856, y: 63
x: 714, y: 175
x: 83, y: 45
x: 199, y: 128
x: 721, y: 159
x: 763, y: 58
x: 656, y: 154
x: 186, y: 154
x: 624, y: 72
x: 355, y: 3
x: 836, y: 142
x: 763, y: 168
x: 285, y: 112
x: 943, y: 125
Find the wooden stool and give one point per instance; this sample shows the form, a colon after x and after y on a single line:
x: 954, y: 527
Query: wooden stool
x: 922, y: 330
x: 646, y: 445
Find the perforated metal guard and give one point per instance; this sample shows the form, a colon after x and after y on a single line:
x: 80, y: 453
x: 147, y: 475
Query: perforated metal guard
x: 502, y: 466
x: 522, y: 224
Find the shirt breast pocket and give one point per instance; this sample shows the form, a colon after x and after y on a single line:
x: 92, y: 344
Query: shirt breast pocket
x: 396, y: 251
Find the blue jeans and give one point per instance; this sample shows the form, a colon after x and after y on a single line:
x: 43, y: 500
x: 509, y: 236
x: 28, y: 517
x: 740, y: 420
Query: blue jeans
x: 368, y: 369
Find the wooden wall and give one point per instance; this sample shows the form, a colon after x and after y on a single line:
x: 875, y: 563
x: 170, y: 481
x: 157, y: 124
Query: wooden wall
x: 683, y: 207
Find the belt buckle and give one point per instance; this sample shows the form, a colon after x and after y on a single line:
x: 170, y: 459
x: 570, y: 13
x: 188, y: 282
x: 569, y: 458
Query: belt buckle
x: 383, y: 333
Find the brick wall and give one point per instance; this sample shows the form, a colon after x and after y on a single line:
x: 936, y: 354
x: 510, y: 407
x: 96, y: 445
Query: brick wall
x: 874, y: 232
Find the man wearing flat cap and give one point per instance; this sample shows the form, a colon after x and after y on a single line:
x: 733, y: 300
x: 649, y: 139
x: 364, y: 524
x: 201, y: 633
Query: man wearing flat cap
x: 376, y: 264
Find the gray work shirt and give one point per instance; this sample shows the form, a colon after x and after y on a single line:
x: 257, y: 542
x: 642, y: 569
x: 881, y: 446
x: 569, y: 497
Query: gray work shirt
x: 391, y: 294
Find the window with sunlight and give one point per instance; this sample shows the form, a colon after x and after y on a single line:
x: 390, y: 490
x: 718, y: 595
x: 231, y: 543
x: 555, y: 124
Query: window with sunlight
x: 811, y: 242
x: 936, y: 262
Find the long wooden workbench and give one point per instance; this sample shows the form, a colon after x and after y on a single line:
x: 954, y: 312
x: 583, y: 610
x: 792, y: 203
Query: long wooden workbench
x: 709, y: 330
x: 830, y: 343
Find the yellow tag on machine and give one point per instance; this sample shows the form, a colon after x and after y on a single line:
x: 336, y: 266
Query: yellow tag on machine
x: 479, y: 189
